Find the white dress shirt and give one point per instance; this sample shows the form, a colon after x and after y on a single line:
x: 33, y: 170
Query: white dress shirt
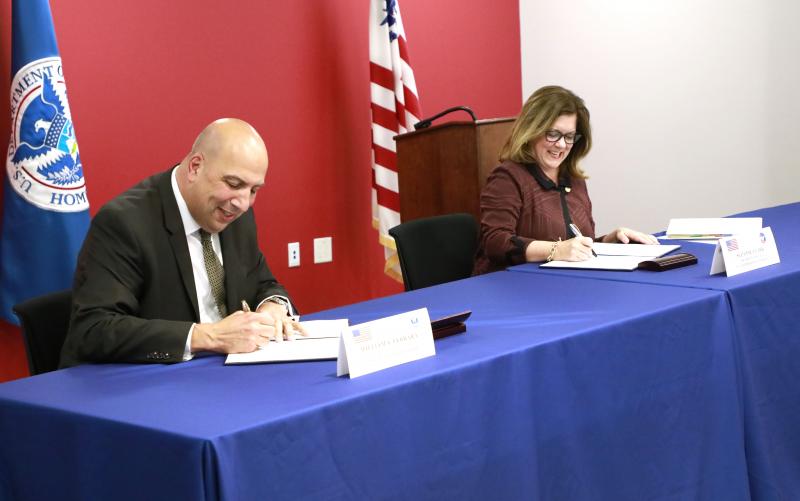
x: 205, y: 299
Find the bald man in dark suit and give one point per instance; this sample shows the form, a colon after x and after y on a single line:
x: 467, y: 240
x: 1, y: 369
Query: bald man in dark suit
x: 164, y: 263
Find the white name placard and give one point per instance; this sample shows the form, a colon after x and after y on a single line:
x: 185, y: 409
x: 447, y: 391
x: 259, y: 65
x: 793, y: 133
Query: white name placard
x: 711, y: 227
x: 386, y: 342
x: 745, y: 252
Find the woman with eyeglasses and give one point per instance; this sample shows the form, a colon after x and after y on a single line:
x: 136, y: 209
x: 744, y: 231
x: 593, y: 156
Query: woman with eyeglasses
x: 538, y: 191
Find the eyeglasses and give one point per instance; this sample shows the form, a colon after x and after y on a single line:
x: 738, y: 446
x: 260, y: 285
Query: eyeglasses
x: 555, y: 136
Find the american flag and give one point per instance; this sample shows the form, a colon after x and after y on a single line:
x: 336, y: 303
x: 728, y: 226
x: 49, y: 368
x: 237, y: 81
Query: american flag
x: 361, y: 335
x: 395, y: 109
x: 732, y: 244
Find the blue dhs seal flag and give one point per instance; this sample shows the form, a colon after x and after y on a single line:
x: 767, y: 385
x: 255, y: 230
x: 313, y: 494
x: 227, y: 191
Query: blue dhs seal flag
x: 45, y: 208
x: 43, y: 161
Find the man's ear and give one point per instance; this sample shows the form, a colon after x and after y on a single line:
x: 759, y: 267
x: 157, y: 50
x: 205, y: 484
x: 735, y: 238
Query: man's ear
x: 194, y: 164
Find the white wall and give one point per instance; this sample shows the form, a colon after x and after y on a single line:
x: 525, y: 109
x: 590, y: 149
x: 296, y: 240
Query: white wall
x: 695, y: 104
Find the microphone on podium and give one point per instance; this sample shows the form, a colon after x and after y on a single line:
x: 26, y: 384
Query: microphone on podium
x: 422, y: 124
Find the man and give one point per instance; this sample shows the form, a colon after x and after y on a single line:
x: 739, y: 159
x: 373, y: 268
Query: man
x: 165, y: 263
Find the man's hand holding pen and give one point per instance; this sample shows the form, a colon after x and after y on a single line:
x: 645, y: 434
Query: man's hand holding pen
x: 239, y: 332
x: 285, y: 327
x: 244, y: 331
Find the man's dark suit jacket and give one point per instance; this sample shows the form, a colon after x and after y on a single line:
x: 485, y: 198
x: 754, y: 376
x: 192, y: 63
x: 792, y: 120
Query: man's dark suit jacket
x: 134, y: 297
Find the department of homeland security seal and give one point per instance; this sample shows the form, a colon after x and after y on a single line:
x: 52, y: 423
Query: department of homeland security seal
x: 43, y: 163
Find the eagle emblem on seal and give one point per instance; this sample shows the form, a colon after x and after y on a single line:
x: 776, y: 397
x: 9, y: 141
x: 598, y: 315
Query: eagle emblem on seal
x: 47, y: 139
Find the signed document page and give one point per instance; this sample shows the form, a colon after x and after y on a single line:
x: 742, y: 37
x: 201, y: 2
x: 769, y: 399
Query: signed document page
x: 633, y: 249
x: 322, y: 343
x: 614, y: 263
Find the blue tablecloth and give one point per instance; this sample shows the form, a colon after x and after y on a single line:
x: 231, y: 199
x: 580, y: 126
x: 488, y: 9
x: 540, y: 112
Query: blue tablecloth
x: 766, y: 309
x: 562, y: 388
x: 784, y: 221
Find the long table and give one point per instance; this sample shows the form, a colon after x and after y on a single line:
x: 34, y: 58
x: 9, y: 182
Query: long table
x: 765, y: 306
x: 562, y: 388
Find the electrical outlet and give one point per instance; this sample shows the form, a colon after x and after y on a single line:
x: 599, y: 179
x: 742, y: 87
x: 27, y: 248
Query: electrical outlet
x: 294, y: 254
x: 322, y: 250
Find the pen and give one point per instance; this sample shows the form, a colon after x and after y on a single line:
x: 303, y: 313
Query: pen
x: 576, y: 232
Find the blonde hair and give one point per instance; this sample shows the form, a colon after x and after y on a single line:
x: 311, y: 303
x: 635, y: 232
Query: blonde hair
x: 538, y: 114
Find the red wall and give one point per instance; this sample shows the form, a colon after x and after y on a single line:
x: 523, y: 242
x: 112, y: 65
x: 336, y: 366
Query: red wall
x: 144, y: 77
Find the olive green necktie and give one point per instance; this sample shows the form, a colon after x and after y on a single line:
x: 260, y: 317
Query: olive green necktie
x: 216, y: 275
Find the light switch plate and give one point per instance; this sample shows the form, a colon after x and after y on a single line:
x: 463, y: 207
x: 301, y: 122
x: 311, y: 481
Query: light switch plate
x: 294, y: 254
x: 323, y: 252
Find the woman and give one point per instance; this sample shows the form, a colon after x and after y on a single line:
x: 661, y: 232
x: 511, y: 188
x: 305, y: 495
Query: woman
x: 531, y: 199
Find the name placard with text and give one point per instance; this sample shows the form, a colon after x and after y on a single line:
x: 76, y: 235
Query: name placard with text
x: 745, y: 252
x: 384, y: 343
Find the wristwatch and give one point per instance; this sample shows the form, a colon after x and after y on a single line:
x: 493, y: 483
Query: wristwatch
x: 281, y: 301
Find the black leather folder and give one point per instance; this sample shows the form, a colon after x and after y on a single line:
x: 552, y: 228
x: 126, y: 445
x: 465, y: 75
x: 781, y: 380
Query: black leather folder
x: 668, y: 262
x: 449, y: 325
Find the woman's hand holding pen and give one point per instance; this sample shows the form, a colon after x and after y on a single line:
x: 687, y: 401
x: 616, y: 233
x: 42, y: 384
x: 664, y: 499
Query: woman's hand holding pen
x: 581, y: 240
x: 574, y: 249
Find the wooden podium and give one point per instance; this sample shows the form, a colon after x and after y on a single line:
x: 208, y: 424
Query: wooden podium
x: 443, y: 168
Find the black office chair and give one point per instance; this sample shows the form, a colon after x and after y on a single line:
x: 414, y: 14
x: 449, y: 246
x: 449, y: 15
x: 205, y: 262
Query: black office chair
x: 437, y: 249
x: 45, y: 321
